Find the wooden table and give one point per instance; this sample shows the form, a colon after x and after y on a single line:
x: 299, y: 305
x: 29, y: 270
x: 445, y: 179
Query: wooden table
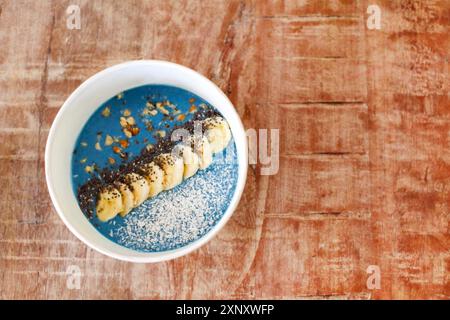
x: 364, y: 119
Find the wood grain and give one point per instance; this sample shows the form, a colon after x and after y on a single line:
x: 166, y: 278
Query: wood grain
x: 364, y: 119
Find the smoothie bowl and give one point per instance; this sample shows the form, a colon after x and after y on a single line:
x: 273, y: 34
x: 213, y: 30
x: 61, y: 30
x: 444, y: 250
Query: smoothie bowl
x: 146, y: 161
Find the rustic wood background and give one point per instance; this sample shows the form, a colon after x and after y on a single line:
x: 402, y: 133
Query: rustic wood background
x: 364, y: 117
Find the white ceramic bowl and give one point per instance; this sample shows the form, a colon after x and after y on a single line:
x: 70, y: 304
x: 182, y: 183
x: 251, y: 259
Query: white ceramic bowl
x: 80, y: 106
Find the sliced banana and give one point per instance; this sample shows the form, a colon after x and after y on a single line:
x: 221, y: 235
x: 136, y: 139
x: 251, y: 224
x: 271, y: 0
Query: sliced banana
x: 154, y: 176
x: 227, y: 131
x: 217, y: 132
x: 127, y: 198
x: 165, y: 172
x: 190, y: 159
x: 173, y: 168
x: 109, y: 204
x: 139, y: 186
x: 202, y: 148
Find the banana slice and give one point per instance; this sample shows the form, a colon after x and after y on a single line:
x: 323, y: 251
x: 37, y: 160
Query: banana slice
x: 139, y: 186
x: 154, y: 176
x: 218, y: 133
x: 173, y: 168
x: 202, y: 148
x: 109, y: 204
x: 127, y: 198
x: 190, y: 160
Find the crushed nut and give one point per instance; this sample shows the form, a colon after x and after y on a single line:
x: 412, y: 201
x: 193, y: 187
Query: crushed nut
x: 149, y: 147
x: 162, y: 109
x: 116, y: 149
x: 106, y: 112
x: 134, y: 131
x: 131, y: 121
x: 127, y: 133
x: 123, y: 155
x: 83, y: 160
x: 97, y: 146
x: 84, y: 144
x: 111, y: 160
x: 161, y: 133
x: 89, y: 169
x: 108, y: 140
x: 153, y: 112
x: 149, y: 126
x: 124, y: 143
x: 123, y: 122
x: 126, y: 112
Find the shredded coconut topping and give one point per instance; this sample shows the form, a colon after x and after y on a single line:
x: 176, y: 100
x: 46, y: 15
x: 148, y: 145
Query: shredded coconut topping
x: 179, y: 216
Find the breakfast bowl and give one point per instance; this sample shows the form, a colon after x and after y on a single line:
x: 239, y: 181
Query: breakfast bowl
x: 66, y: 161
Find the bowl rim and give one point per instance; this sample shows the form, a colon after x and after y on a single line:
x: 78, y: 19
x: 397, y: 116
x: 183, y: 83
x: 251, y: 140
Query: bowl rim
x: 242, y: 156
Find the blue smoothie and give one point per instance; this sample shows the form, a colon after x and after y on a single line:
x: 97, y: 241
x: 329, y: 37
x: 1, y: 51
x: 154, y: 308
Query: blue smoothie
x: 176, y: 217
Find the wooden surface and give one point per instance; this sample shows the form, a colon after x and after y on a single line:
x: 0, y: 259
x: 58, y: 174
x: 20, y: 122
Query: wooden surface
x: 364, y: 119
